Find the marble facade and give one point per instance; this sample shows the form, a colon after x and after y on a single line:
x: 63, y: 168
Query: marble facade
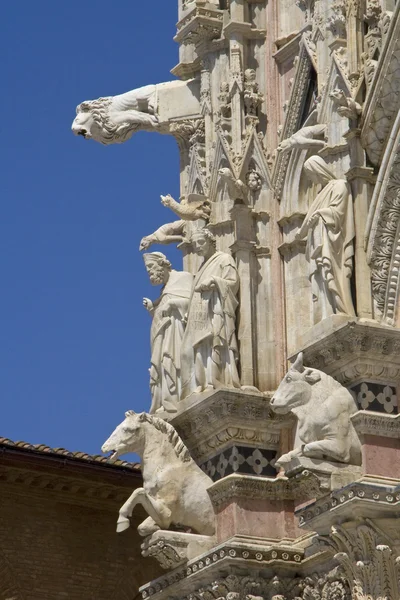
x: 286, y: 115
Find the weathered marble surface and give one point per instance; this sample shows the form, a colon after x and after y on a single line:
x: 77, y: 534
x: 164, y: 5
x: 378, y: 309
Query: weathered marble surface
x: 174, y: 488
x: 114, y: 119
x: 323, y: 408
x: 167, y: 329
x: 209, y: 346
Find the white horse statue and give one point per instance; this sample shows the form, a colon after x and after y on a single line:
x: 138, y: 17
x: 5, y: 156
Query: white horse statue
x: 174, y: 488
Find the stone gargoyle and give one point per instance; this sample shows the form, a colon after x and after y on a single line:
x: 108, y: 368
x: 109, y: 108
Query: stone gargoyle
x: 174, y: 488
x: 323, y: 408
x: 114, y: 119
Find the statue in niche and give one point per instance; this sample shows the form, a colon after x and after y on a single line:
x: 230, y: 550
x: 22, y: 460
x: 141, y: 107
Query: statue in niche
x: 209, y: 347
x: 237, y: 190
x: 170, y: 233
x: 167, y: 329
x: 224, y: 98
x: 252, y: 96
x: 329, y: 230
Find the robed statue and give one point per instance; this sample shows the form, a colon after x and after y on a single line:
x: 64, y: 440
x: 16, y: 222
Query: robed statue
x: 209, y: 346
x: 329, y: 230
x: 167, y: 329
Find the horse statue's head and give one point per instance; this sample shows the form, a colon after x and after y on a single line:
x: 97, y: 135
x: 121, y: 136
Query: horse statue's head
x: 127, y: 437
x: 130, y: 436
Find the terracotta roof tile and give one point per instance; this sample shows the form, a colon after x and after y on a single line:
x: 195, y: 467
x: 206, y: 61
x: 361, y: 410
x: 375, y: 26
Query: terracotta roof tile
x: 92, y: 458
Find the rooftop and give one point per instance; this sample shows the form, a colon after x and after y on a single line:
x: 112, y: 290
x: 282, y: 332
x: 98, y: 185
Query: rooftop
x: 83, y: 457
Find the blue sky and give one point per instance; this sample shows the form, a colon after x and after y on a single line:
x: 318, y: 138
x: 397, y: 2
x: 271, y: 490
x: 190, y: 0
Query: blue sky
x: 74, y: 344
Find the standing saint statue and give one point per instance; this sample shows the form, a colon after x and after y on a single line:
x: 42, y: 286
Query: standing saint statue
x: 209, y: 346
x: 329, y: 230
x: 167, y: 329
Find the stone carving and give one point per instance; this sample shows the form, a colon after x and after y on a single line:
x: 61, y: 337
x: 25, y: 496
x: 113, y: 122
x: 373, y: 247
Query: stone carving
x: 253, y: 180
x: 323, y: 408
x: 346, y: 107
x: 314, y: 587
x: 329, y: 230
x: 237, y: 190
x: 305, y: 138
x: 252, y: 96
x: 167, y: 328
x: 173, y: 548
x: 170, y: 233
x: 369, y: 67
x: 174, y: 488
x: 337, y: 21
x: 224, y: 98
x: 209, y: 347
x: 116, y: 118
x: 371, y: 566
x: 194, y: 207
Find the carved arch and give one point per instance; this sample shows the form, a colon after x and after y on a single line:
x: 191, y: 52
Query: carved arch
x: 383, y: 233
x: 294, y: 113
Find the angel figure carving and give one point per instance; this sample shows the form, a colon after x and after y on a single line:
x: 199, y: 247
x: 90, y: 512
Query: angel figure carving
x: 194, y: 207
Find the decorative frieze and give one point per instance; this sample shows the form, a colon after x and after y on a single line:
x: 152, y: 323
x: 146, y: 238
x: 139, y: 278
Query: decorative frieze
x: 213, y: 424
x: 355, y: 351
x: 302, y: 485
x: 243, y: 460
x: 350, y: 501
x: 375, y: 396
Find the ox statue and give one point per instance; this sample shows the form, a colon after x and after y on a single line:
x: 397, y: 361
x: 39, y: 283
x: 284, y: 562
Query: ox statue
x: 174, y: 488
x: 323, y: 408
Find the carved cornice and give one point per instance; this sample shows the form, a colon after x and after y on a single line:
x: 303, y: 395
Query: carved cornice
x: 184, y: 581
x: 380, y: 499
x: 188, y: 69
x: 371, y: 423
x: 85, y: 490
x: 210, y: 423
x: 355, y: 350
x: 199, y: 25
x: 271, y: 573
x: 244, y: 29
x: 263, y: 488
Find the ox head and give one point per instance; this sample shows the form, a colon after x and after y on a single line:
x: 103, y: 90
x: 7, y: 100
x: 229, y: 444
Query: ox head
x: 127, y: 437
x: 295, y: 388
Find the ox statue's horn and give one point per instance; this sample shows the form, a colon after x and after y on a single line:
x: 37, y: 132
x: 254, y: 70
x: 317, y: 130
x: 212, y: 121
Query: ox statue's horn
x: 298, y: 363
x: 130, y: 413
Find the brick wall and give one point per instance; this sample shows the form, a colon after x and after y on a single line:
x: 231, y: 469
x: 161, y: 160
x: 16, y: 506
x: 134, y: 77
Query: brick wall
x: 57, y: 531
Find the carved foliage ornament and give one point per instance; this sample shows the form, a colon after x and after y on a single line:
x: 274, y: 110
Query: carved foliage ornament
x: 315, y: 587
x: 371, y: 567
x: 385, y: 259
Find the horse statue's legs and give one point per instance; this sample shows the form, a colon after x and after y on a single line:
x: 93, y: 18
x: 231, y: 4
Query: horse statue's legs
x: 159, y: 513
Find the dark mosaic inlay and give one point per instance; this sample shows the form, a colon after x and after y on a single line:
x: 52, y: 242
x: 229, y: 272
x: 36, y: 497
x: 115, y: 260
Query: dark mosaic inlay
x: 375, y: 396
x: 241, y: 459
